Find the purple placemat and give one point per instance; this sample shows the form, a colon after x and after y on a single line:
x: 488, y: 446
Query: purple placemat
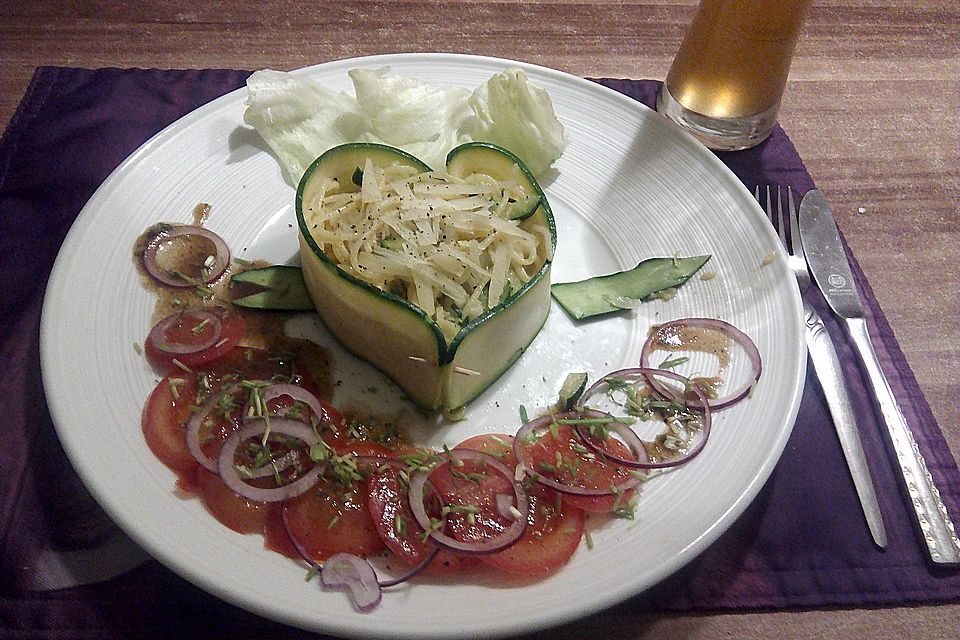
x: 802, y: 543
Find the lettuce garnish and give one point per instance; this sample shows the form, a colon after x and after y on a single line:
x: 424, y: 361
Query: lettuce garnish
x: 300, y: 118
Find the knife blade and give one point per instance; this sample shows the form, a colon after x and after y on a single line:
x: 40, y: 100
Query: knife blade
x: 826, y: 363
x: 831, y: 271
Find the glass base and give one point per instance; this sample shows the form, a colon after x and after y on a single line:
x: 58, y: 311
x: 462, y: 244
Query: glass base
x: 721, y: 134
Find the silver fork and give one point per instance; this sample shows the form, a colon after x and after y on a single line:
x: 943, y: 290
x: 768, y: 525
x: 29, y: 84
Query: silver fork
x: 826, y: 363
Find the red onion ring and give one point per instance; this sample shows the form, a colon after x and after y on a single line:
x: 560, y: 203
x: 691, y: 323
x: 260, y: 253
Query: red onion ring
x: 543, y: 423
x: 271, y: 391
x: 221, y: 256
x: 158, y: 334
x: 349, y: 571
x: 726, y: 328
x: 196, y: 421
x: 284, y: 426
x: 506, y: 537
x: 630, y: 436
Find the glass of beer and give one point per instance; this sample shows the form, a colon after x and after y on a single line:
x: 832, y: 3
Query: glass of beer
x: 727, y: 80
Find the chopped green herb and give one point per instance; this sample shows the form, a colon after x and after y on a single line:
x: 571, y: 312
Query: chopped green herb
x: 554, y: 429
x: 472, y: 477
x: 670, y: 363
x: 200, y: 326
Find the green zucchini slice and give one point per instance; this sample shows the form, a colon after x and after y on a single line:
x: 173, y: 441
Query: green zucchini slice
x: 276, y: 288
x: 499, y: 163
x: 605, y: 294
x: 573, y: 387
x: 439, y: 372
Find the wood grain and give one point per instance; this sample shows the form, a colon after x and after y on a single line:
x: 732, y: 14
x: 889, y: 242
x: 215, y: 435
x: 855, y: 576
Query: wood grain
x: 873, y: 106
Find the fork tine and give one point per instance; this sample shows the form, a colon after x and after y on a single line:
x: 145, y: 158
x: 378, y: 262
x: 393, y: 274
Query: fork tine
x: 769, y: 208
x: 780, y: 224
x: 757, y: 195
x: 777, y: 218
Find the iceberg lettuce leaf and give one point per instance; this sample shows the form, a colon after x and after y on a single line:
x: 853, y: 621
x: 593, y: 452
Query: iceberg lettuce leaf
x: 518, y: 115
x: 300, y: 119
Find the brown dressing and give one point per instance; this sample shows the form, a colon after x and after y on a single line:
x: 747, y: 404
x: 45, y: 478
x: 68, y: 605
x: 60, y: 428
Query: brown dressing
x: 265, y: 329
x: 683, y: 338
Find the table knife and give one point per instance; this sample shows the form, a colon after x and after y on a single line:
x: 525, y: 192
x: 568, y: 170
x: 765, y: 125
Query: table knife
x: 826, y: 363
x: 831, y: 271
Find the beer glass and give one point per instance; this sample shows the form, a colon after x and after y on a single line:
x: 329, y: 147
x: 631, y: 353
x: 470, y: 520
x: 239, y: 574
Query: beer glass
x: 727, y: 80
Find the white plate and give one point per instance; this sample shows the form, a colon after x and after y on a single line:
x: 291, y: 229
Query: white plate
x: 629, y: 186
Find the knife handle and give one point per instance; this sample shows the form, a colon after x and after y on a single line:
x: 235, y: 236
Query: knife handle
x: 931, y: 514
x: 827, y: 366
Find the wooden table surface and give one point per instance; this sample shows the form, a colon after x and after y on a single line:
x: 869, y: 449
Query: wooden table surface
x: 873, y: 106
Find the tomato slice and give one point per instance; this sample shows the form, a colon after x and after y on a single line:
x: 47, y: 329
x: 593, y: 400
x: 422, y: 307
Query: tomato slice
x: 554, y: 525
x: 479, y: 519
x: 448, y: 562
x: 344, y: 444
x: 192, y: 328
x: 605, y: 504
x: 275, y: 536
x: 598, y: 504
x: 389, y: 505
x: 470, y: 490
x: 164, y: 421
x: 332, y: 518
x: 234, y: 511
x: 560, y: 455
x: 499, y: 445
x: 553, y: 533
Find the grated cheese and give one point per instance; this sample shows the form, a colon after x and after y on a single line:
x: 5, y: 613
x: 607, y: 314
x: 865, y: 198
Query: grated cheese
x: 441, y: 242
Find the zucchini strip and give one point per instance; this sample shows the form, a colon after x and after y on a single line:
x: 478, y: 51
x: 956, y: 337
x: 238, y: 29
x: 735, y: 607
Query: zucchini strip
x: 606, y: 294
